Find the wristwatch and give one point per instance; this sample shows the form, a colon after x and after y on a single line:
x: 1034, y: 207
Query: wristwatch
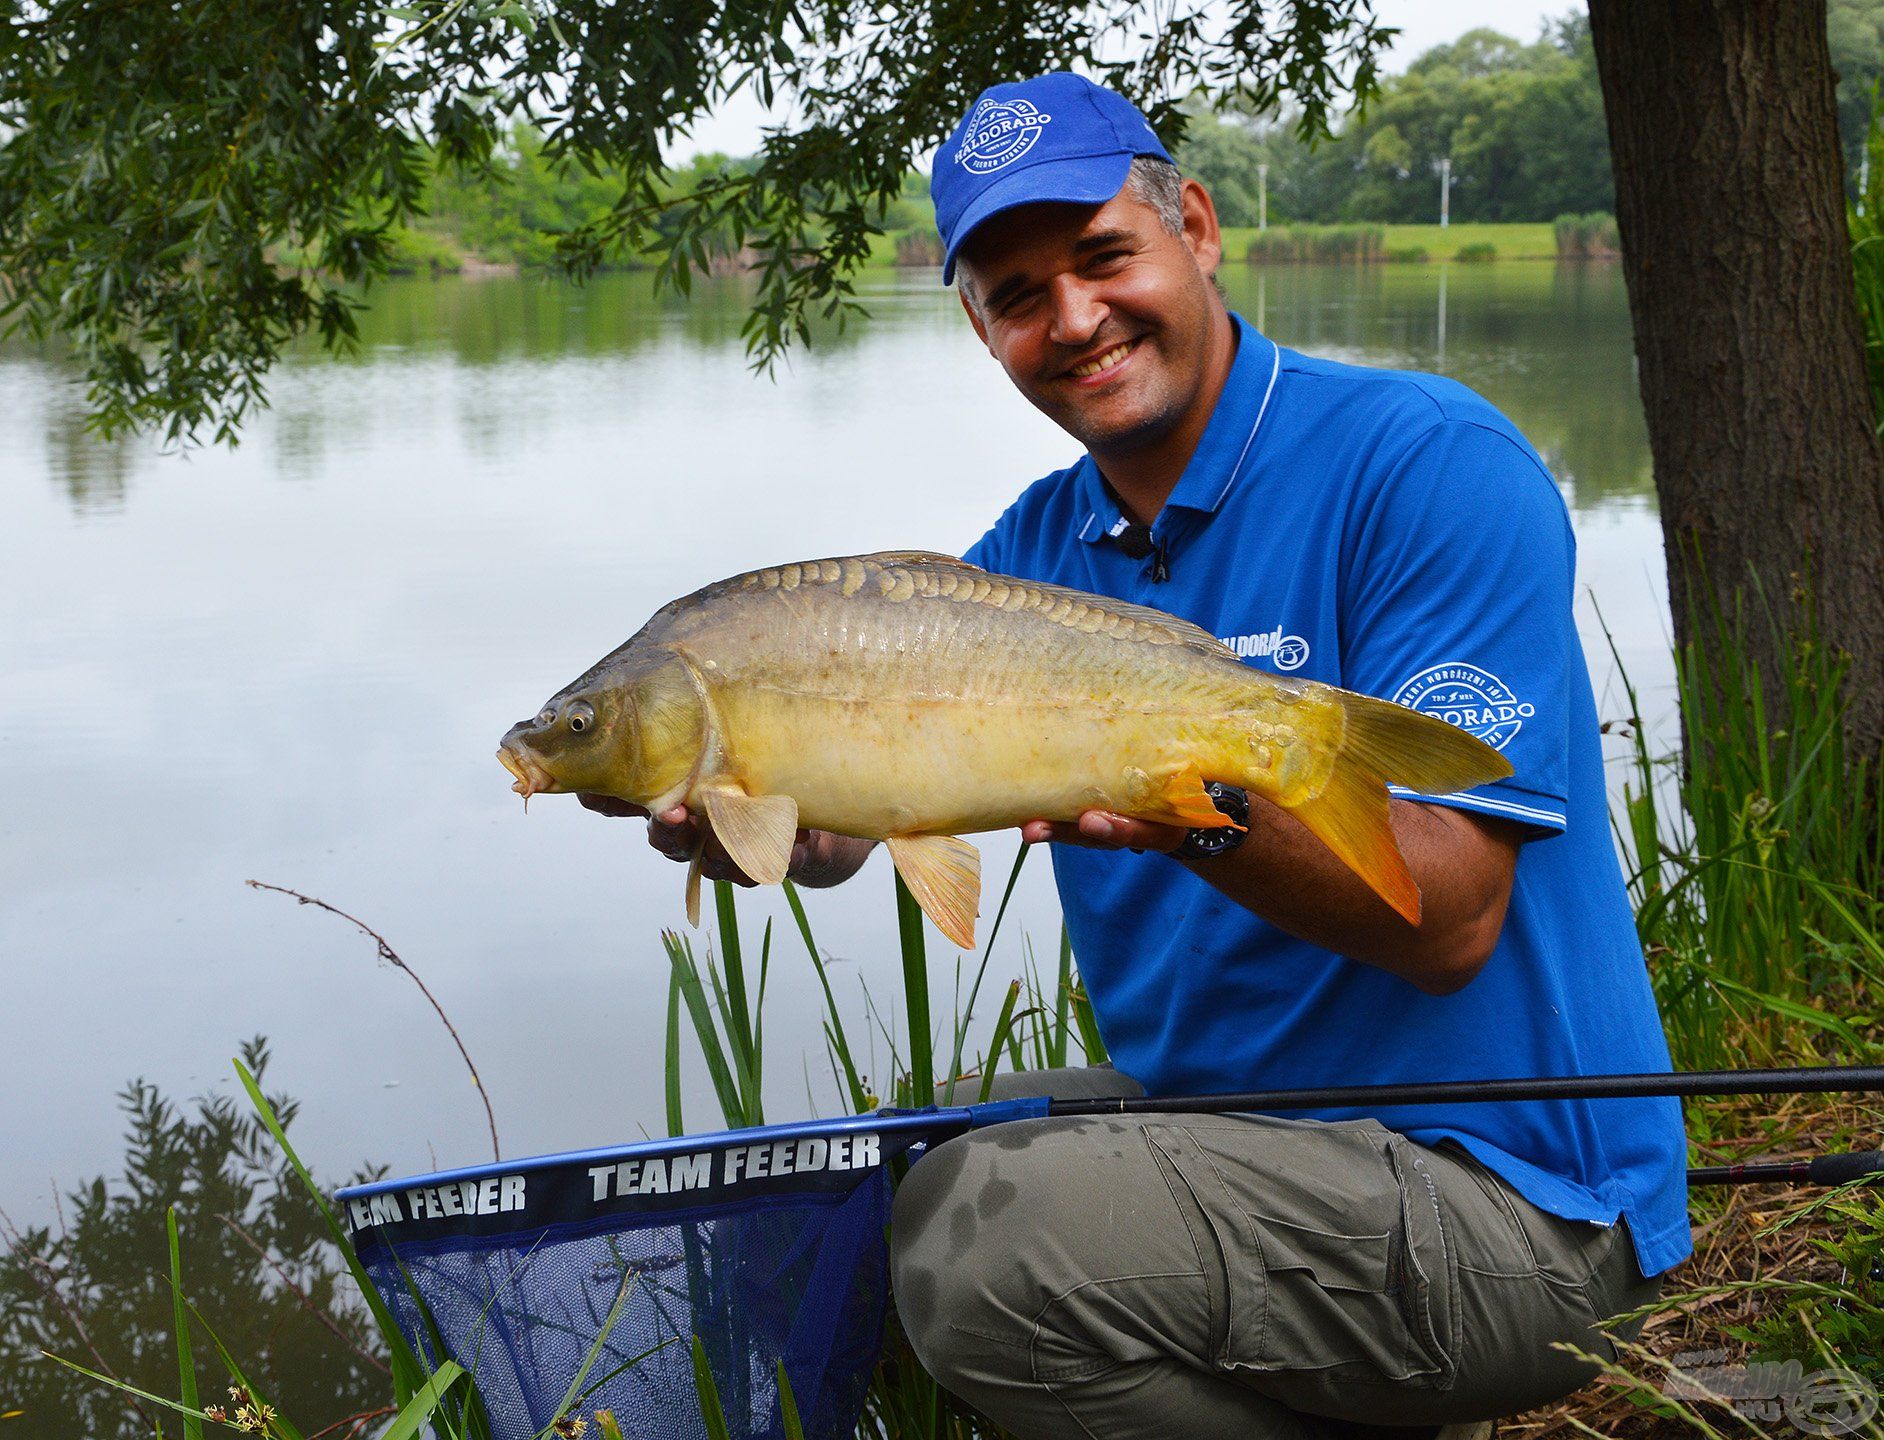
x: 1203, y: 844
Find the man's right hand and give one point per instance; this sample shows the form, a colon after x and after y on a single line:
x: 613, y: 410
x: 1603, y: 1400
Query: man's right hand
x: 819, y: 858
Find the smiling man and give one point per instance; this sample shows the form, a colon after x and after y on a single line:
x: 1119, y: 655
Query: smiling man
x: 1383, y: 531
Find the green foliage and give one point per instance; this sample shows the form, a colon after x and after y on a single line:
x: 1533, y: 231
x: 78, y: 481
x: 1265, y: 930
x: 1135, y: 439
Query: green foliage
x: 1359, y: 244
x: 98, y: 1288
x: 1523, y: 125
x: 1408, y: 254
x: 1477, y: 252
x: 1757, y: 869
x: 1855, y: 34
x: 1866, y: 219
x: 157, y: 157
x: 1586, y: 237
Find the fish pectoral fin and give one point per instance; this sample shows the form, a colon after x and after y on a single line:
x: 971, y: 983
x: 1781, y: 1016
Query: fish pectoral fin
x: 758, y: 831
x: 1183, y: 801
x: 943, y: 872
x: 693, y: 883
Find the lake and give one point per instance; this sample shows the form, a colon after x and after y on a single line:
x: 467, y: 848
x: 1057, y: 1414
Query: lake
x: 292, y: 662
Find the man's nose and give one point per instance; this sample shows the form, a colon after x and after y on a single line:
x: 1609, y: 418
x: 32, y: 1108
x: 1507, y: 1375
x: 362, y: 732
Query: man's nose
x: 1078, y: 312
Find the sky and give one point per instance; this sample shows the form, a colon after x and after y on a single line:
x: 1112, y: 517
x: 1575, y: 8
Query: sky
x: 1423, y: 24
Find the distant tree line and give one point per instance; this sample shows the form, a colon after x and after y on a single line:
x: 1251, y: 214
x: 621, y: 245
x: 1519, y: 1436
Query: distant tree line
x: 1522, y: 124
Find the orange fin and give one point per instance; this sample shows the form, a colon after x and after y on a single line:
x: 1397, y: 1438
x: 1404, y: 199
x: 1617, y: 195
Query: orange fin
x: 1183, y: 801
x: 757, y: 830
x: 943, y: 872
x: 693, y: 883
x: 1350, y: 817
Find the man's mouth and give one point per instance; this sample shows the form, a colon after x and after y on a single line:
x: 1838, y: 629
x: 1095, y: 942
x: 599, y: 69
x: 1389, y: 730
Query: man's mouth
x: 1099, y: 365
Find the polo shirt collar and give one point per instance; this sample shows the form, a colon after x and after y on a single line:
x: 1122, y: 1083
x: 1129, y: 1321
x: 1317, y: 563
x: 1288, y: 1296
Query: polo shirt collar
x: 1222, y: 453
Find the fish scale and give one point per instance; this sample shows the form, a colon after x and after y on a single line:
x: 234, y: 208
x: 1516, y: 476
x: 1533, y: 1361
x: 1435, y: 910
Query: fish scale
x: 912, y: 698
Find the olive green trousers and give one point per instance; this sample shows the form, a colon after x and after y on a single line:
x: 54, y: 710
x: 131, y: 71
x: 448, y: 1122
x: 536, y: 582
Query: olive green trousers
x: 1204, y: 1276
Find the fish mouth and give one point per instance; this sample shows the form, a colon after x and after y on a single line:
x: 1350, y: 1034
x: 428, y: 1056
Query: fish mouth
x: 531, y: 777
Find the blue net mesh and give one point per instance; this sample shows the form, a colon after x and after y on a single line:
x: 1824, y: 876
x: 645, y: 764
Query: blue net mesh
x: 767, y: 1245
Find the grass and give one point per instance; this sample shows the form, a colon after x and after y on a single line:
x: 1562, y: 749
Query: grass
x: 1513, y: 242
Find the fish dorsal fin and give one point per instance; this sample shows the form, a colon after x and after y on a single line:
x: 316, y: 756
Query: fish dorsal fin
x: 943, y: 872
x: 921, y: 557
x: 1183, y: 632
x: 757, y: 830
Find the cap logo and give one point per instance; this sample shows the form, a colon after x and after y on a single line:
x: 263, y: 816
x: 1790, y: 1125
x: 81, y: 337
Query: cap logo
x: 999, y: 133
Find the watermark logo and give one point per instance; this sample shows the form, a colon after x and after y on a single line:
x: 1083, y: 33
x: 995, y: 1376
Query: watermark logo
x: 1832, y: 1401
x: 999, y: 133
x: 1475, y: 700
x: 1285, y: 652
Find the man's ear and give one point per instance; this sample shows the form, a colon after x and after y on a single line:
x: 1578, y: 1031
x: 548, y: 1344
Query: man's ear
x: 1201, y: 232
x: 974, y: 315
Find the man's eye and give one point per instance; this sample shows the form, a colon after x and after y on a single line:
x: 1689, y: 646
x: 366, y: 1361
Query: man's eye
x: 1107, y: 258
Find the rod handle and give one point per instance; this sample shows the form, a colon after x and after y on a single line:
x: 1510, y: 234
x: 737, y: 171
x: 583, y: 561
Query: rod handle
x: 1838, y: 1169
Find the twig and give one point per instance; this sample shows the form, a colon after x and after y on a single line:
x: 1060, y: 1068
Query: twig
x: 357, y: 1421
x: 305, y: 1299
x: 391, y: 956
x: 49, y: 1280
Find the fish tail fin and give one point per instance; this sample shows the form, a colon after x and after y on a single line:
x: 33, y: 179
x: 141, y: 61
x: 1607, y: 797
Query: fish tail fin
x: 1387, y: 743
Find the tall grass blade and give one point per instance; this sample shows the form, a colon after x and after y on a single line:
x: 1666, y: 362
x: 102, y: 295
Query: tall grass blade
x: 788, y: 1406
x: 575, y: 1391
x: 1003, y: 1023
x: 710, y: 1409
x: 417, y: 1412
x: 409, y: 1373
x: 676, y: 1121
x: 687, y: 974
x: 840, y: 1043
x: 916, y: 996
x: 186, y: 1360
x: 111, y: 1382
x: 974, y: 991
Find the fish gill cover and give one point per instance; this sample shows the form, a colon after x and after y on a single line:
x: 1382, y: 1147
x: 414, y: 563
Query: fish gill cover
x: 768, y: 1245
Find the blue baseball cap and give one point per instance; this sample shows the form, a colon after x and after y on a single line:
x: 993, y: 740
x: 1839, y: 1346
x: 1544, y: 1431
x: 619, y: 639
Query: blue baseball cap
x: 1055, y: 137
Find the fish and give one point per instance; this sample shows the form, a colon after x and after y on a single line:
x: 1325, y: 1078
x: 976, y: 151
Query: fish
x: 913, y: 698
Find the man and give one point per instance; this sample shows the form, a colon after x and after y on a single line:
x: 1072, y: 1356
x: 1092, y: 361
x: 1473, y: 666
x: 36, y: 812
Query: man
x: 1391, y: 533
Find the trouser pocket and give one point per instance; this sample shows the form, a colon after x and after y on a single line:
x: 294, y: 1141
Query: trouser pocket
x: 1333, y: 1246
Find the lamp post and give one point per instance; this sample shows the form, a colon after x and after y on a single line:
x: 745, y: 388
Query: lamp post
x: 1445, y: 193
x: 1262, y: 195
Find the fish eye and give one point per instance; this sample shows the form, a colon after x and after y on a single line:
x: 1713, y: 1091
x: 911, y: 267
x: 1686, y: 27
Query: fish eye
x: 581, y: 717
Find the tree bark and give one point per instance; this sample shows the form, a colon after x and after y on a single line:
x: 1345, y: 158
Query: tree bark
x: 1731, y: 204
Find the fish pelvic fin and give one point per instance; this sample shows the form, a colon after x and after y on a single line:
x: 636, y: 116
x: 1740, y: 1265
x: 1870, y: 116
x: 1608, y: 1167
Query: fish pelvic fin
x: 1387, y: 743
x: 693, y: 883
x: 758, y: 831
x: 1183, y: 801
x: 943, y: 873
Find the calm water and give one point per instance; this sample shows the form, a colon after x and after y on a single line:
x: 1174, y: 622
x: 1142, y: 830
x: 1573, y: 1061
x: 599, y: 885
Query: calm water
x: 292, y: 662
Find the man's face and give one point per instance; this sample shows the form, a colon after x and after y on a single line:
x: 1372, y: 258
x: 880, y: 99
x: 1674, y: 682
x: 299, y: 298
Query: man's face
x: 1101, y: 317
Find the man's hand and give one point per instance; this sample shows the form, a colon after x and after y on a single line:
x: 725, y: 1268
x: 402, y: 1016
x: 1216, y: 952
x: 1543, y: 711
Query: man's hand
x: 819, y: 858
x: 1103, y: 830
x: 1463, y: 863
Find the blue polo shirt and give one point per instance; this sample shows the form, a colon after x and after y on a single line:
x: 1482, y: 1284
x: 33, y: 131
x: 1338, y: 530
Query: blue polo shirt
x: 1391, y: 533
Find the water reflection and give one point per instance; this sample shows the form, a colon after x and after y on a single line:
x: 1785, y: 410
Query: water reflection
x: 292, y: 661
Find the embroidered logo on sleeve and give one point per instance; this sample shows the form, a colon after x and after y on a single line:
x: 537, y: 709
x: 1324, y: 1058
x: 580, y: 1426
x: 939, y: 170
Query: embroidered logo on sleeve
x: 999, y: 133
x: 1475, y: 700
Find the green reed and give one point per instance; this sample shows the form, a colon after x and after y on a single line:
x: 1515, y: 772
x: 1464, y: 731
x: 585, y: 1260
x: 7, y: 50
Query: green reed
x: 1755, y: 865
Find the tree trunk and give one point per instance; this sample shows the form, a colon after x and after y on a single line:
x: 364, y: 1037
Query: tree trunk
x: 1731, y: 204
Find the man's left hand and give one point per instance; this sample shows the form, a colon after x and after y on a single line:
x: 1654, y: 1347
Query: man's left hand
x: 1104, y: 830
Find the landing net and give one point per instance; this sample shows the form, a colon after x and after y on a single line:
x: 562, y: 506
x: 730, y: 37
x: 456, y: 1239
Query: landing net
x: 767, y: 1245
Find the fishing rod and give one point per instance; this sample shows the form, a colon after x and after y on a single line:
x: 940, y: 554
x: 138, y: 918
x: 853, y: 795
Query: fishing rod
x: 1833, y: 1169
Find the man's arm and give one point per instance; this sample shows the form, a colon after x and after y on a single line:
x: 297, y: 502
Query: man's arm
x: 1463, y: 864
x: 819, y: 858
